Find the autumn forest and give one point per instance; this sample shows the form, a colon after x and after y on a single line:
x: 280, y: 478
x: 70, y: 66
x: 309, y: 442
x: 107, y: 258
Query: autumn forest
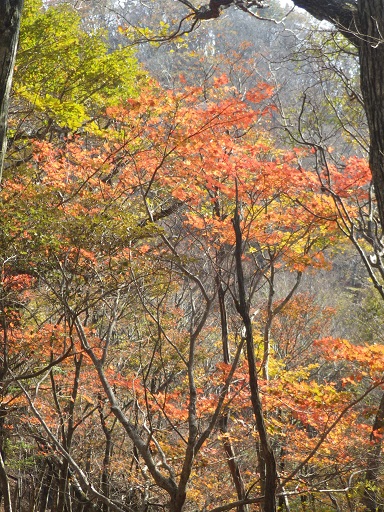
x: 191, y: 300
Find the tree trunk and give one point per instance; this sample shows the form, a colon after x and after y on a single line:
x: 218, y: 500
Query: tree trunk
x: 5, y: 493
x: 46, y: 486
x: 371, y: 48
x: 224, y: 418
x: 5, y: 490
x: 105, y: 477
x: 62, y: 484
x: 271, y: 478
x: 10, y: 12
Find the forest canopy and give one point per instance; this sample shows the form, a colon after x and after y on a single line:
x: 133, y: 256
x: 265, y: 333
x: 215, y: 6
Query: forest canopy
x: 191, y: 268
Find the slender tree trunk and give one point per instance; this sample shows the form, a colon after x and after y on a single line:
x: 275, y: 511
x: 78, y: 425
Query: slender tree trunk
x: 5, y: 493
x: 261, y: 467
x: 10, y: 13
x: 268, y: 326
x: 62, y: 491
x: 105, y: 484
x: 63, y: 494
x: 271, y: 477
x: 5, y: 490
x: 46, y: 486
x: 224, y: 418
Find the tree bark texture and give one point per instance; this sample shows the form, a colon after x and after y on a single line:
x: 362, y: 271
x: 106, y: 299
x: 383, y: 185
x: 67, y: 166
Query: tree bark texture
x: 371, y: 51
x: 10, y: 13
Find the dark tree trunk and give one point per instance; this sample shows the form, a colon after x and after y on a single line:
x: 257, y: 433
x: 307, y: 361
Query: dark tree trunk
x: 339, y: 12
x: 266, y: 452
x: 224, y: 418
x: 4, y: 482
x: 46, y: 486
x: 105, y: 477
x: 371, y: 48
x: 10, y: 12
x: 5, y: 493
